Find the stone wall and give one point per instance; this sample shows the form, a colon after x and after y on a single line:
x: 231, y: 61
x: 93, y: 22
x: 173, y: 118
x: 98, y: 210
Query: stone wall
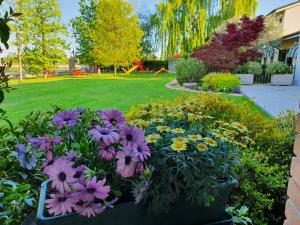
x: 292, y: 209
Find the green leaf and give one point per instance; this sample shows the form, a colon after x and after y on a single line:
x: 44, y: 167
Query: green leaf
x: 1, y: 96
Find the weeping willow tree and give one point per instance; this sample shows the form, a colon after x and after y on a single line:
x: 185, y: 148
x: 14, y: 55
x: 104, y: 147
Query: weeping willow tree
x: 182, y: 25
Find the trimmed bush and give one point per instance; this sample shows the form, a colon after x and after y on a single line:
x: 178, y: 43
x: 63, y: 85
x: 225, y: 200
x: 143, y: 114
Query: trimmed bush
x: 190, y: 70
x: 254, y: 68
x: 241, y: 69
x: 224, y: 82
x: 278, y: 68
x: 249, y: 68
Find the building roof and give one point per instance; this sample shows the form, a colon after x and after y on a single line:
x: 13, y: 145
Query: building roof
x: 293, y: 35
x: 284, y: 7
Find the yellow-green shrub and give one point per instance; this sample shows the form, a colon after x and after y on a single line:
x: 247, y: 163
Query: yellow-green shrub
x: 224, y: 82
x: 264, y: 175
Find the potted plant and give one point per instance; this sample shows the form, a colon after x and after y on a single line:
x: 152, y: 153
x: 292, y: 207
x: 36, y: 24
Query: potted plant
x: 247, y: 71
x: 280, y: 73
x: 101, y: 169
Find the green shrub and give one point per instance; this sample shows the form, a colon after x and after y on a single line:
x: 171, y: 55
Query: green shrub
x: 241, y: 69
x: 254, y: 68
x: 278, y: 68
x: 224, y: 82
x: 155, y: 64
x: 190, y: 70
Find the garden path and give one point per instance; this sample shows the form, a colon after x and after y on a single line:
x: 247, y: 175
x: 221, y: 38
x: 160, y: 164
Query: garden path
x: 274, y: 99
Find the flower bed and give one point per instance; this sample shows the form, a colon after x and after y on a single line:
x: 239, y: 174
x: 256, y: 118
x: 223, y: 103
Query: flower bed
x: 96, y: 160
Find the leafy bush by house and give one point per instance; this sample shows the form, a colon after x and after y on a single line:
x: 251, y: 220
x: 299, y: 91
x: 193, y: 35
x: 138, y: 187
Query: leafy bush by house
x: 265, y: 166
x: 254, y: 68
x: 224, y: 82
x: 278, y: 68
x: 190, y: 70
x: 241, y: 69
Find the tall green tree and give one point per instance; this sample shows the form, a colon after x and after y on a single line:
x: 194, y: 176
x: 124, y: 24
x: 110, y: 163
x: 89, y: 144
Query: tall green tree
x: 21, y: 29
x: 182, y: 25
x: 83, y: 25
x: 117, y: 35
x: 47, y: 44
x: 148, y: 43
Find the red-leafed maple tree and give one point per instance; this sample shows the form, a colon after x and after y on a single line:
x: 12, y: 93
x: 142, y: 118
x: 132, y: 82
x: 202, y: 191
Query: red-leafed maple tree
x: 230, y: 49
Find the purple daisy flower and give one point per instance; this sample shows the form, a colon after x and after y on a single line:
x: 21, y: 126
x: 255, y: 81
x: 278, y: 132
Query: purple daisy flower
x: 92, y: 189
x: 89, y: 209
x: 142, y: 151
x: 132, y: 136
x: 61, y: 174
x: 112, y: 118
x: 79, y: 173
x: 127, y: 162
x: 60, y: 204
x: 106, y: 152
x: 44, y: 143
x: 104, y: 135
x: 68, y: 118
x: 71, y: 156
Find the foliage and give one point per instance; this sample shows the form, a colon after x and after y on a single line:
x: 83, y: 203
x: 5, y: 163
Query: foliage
x: 254, y: 68
x: 273, y: 30
x: 182, y: 25
x: 82, y: 26
x: 228, y: 50
x: 155, y: 64
x: 147, y: 43
x: 190, y: 70
x: 45, y: 32
x: 240, y: 216
x: 192, y: 154
x: 224, y: 82
x: 5, y: 29
x: 241, y: 69
x: 278, y: 68
x: 264, y: 174
x: 5, y: 32
x: 117, y: 35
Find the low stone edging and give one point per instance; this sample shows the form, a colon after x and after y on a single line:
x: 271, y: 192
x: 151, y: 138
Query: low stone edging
x: 176, y: 86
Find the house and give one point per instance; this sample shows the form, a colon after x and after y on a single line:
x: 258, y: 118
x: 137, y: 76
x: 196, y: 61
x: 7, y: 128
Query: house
x: 288, y: 48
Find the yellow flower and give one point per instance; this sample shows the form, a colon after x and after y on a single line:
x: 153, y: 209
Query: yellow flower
x: 157, y: 120
x: 201, y: 147
x: 180, y: 139
x: 178, y: 131
x: 239, y: 126
x: 211, y: 142
x: 178, y: 146
x: 152, y: 138
x: 142, y: 123
x: 195, y: 137
x: 163, y: 128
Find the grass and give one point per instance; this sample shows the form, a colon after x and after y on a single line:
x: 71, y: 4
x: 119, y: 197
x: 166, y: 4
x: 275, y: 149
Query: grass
x: 99, y: 91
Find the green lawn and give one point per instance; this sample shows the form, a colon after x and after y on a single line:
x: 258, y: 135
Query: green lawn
x: 96, y: 92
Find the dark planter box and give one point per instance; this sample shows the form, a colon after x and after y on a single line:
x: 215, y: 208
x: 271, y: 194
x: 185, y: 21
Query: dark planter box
x: 132, y: 214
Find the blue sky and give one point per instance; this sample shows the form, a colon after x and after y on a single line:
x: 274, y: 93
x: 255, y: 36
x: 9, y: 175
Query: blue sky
x: 70, y: 7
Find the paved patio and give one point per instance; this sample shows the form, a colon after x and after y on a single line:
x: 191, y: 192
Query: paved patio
x: 274, y: 99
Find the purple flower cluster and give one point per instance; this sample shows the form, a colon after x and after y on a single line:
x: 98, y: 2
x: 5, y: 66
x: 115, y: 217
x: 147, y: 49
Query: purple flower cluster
x: 134, y: 150
x: 73, y: 191
x: 67, y: 118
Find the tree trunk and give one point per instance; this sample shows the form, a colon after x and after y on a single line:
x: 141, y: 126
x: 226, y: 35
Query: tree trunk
x: 115, y: 68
